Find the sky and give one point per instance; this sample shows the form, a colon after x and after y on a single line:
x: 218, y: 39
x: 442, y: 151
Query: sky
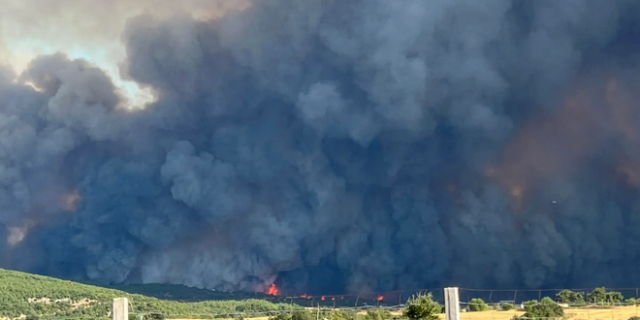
x: 88, y: 29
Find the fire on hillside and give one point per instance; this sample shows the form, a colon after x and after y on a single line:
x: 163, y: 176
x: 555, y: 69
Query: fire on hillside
x: 273, y: 290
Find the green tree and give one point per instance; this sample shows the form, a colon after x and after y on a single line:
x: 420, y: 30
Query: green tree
x: 570, y: 297
x: 613, y: 297
x: 422, y: 307
x: 597, y: 296
x: 630, y: 302
x: 477, y: 304
x: 601, y: 296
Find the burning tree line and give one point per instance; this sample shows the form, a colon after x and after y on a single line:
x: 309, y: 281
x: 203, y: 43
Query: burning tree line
x: 422, y: 306
x: 376, y: 297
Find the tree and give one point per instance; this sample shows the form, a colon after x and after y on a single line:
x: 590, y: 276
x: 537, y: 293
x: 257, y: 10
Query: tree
x: 597, y: 296
x: 631, y: 302
x: 422, y: 307
x: 613, y: 297
x: 601, y: 296
x: 547, y: 308
x: 477, y: 304
x: 570, y: 297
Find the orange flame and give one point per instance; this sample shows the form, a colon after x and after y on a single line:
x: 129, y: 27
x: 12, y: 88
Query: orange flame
x: 322, y: 298
x: 273, y: 290
x: 304, y: 295
x: 380, y: 298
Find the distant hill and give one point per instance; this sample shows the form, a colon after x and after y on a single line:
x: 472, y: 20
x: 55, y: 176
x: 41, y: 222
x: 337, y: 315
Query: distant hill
x: 190, y: 294
x: 28, y: 294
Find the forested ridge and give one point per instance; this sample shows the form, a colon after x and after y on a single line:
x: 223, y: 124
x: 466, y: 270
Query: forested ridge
x: 29, y: 294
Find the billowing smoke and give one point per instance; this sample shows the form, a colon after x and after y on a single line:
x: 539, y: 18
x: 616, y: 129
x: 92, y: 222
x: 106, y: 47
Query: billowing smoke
x: 336, y: 146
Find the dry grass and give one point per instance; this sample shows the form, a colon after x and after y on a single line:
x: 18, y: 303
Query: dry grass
x: 617, y: 313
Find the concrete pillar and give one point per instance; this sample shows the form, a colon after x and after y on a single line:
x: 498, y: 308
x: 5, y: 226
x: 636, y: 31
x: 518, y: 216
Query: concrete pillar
x: 452, y: 303
x: 120, y: 309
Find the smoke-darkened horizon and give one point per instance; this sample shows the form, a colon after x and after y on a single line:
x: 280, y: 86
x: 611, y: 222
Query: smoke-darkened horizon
x: 336, y: 146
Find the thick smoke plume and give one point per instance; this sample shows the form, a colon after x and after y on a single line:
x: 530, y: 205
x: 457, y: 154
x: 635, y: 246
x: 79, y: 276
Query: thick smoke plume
x: 336, y: 146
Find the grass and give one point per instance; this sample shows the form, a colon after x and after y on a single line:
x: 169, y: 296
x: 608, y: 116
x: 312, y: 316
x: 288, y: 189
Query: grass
x: 585, y: 313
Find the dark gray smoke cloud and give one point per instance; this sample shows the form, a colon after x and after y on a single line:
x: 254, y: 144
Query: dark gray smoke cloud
x: 337, y: 146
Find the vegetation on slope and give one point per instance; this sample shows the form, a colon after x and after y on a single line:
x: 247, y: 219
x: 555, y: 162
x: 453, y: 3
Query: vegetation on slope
x: 184, y: 293
x: 28, y: 294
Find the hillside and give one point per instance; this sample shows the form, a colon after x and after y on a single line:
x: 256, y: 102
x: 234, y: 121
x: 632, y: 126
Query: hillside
x: 23, y: 294
x: 184, y: 293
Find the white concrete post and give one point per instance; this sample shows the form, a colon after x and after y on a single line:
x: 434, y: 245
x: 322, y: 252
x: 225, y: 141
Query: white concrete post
x: 120, y: 309
x: 452, y: 303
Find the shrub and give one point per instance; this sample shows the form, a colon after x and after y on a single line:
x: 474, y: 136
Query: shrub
x: 477, y: 304
x: 154, y: 316
x: 282, y: 316
x: 634, y: 318
x: 579, y: 304
x: 342, y: 315
x: 378, y: 314
x: 301, y: 315
x: 630, y: 302
x: 547, y: 308
x: 570, y: 297
x: 422, y: 307
x: 529, y: 303
x: 507, y: 306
